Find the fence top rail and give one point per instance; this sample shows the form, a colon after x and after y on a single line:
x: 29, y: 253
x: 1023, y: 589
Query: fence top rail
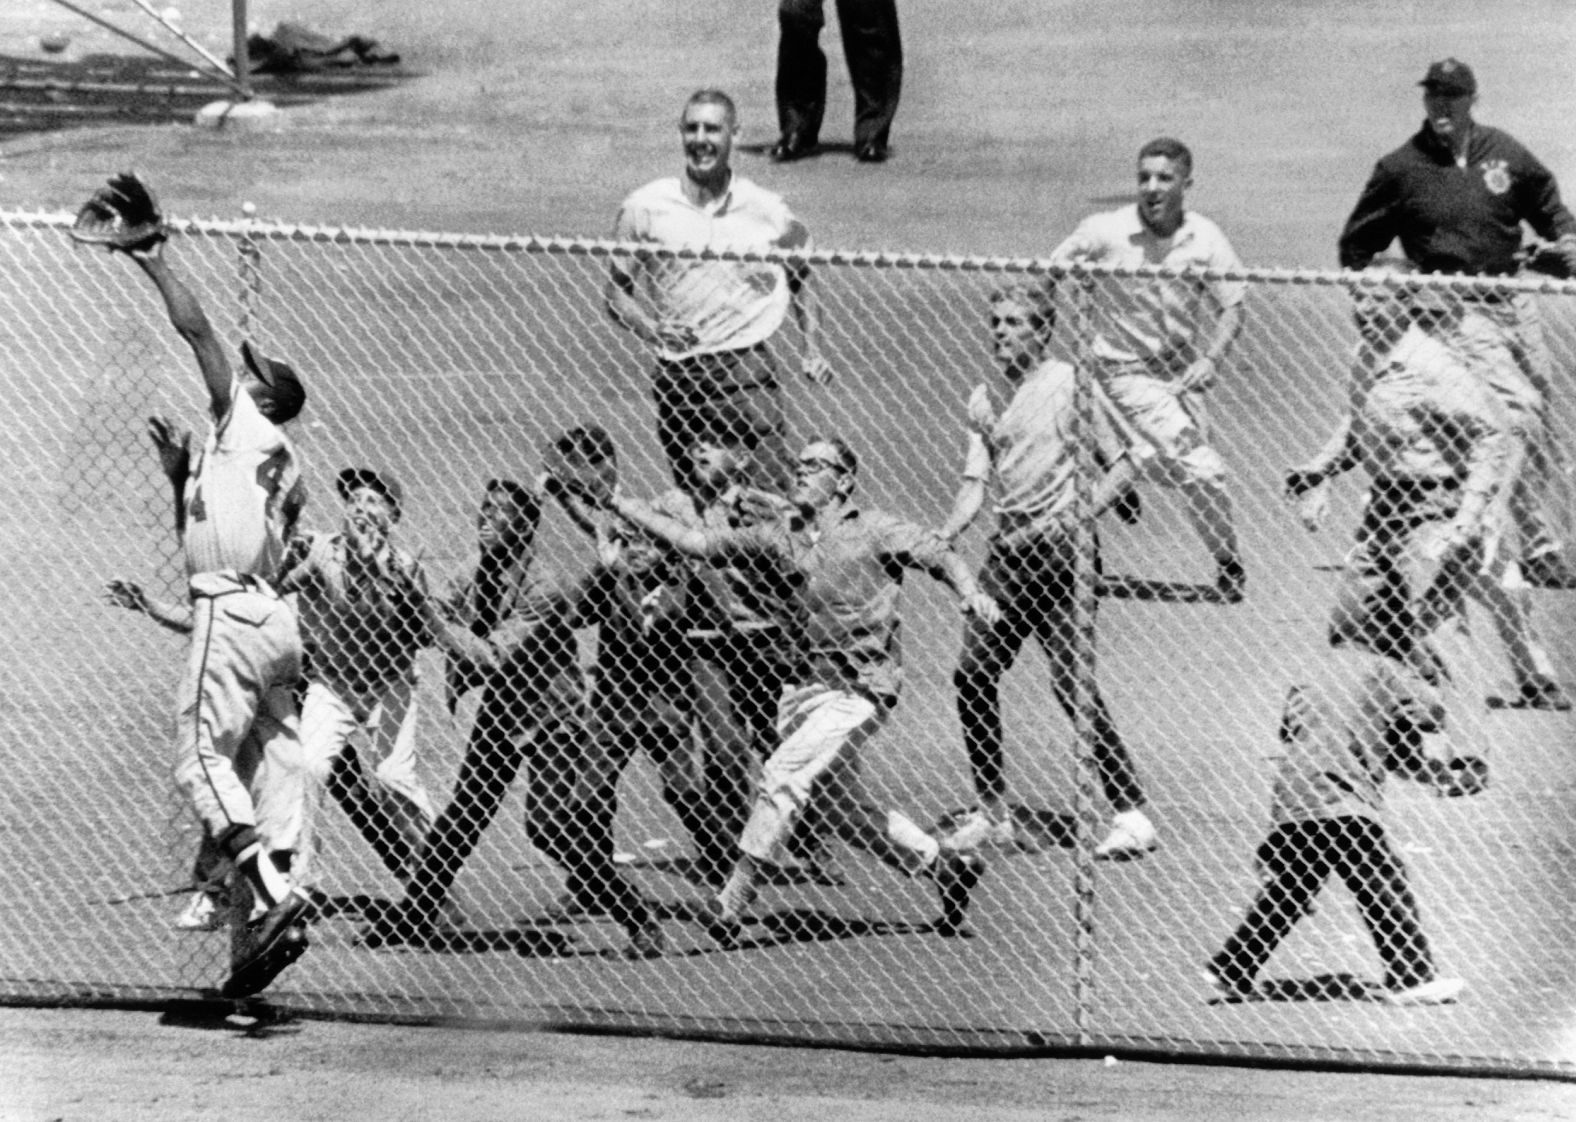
x: 257, y: 231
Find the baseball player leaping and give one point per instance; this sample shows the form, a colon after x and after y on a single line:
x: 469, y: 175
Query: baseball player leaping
x: 241, y: 503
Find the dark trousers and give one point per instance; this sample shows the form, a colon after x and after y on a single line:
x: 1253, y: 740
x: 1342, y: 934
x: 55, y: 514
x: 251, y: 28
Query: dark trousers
x: 499, y: 742
x: 690, y: 393
x: 1033, y: 581
x: 1298, y: 858
x: 874, y: 51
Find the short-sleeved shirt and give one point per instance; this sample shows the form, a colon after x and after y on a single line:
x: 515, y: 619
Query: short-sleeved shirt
x: 241, y: 494
x: 1157, y: 321
x: 849, y: 577
x: 1029, y: 453
x: 1419, y: 414
x: 1333, y: 732
x: 731, y: 305
x: 1450, y: 217
x: 361, y: 618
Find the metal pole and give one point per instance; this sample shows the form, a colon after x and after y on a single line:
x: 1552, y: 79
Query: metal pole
x: 243, y: 61
x: 1084, y: 686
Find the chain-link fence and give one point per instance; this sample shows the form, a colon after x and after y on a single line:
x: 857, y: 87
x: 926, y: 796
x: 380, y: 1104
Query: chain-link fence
x: 448, y: 362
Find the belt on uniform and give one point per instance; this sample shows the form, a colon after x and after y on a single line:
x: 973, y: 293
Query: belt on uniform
x: 699, y: 364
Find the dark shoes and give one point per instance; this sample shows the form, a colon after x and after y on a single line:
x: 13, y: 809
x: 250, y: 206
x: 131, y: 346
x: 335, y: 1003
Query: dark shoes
x: 956, y: 875
x: 1232, y: 581
x: 725, y: 932
x: 1549, y: 570
x: 872, y: 153
x: 1542, y: 692
x: 272, y: 942
x: 646, y: 940
x: 792, y: 147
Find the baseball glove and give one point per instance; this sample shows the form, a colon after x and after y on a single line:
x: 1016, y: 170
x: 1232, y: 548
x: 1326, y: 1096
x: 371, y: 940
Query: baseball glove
x: 123, y: 214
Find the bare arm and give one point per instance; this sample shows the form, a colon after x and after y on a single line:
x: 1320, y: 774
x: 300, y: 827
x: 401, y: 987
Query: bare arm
x: 686, y: 539
x: 191, y: 322
x: 133, y: 597
x: 1201, y: 373
x: 806, y: 306
x: 966, y: 506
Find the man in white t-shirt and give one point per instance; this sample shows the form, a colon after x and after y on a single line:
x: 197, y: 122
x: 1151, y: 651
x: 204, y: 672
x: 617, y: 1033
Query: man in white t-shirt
x: 1157, y: 342
x: 1028, y: 454
x: 711, y: 322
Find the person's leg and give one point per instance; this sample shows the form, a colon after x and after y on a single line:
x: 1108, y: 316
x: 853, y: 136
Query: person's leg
x: 498, y: 742
x: 719, y: 804
x: 391, y: 780
x: 327, y: 723
x: 988, y: 650
x: 759, y: 401
x: 1377, y: 880
x: 873, y: 48
x: 801, y: 72
x: 1296, y: 859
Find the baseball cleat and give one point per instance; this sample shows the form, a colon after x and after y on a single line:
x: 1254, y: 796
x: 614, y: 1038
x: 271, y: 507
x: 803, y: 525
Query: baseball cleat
x: 1132, y: 835
x: 1230, y: 984
x: 1439, y: 991
x: 956, y: 876
x: 275, y: 940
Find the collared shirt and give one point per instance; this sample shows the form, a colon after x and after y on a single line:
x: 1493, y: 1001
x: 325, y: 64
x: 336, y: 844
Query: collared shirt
x: 1419, y: 414
x: 1030, y: 455
x: 1333, y: 732
x: 730, y: 305
x: 360, y: 617
x: 1153, y: 320
x: 849, y: 575
x: 1450, y: 218
x: 242, y: 494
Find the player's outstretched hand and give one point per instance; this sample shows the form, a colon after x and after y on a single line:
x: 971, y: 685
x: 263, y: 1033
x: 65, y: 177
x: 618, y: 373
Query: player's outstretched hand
x: 1199, y: 376
x: 174, y: 445
x: 122, y: 215
x: 126, y: 594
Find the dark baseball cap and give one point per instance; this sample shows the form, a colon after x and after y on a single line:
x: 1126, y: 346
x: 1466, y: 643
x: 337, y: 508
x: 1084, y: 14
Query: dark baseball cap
x: 283, y: 386
x: 1450, y: 77
x: 354, y: 479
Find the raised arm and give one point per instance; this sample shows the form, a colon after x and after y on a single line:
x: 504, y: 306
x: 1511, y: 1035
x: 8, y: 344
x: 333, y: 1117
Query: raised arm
x: 191, y: 322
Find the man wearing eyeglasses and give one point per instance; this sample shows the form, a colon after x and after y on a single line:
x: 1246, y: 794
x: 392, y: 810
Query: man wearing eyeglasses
x: 845, y: 671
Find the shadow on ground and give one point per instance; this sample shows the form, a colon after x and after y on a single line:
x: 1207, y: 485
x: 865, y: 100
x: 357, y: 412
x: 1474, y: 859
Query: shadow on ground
x: 47, y: 95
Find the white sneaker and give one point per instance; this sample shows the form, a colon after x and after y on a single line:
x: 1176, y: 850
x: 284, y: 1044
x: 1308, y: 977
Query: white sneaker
x: 977, y: 830
x: 1441, y: 991
x: 1132, y: 835
x: 200, y: 914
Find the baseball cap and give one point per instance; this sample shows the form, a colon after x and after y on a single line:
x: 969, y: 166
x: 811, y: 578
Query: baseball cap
x: 288, y: 394
x: 354, y: 479
x: 1450, y: 77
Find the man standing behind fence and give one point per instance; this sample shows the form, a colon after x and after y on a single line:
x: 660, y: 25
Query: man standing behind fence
x: 711, y: 322
x: 1455, y: 195
x: 1030, y: 570
x: 1157, y: 343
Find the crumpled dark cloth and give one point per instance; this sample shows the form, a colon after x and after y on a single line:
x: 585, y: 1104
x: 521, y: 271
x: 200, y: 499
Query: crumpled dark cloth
x: 294, y: 49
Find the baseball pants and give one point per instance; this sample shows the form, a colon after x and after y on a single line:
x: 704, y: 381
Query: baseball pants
x: 1298, y: 858
x: 821, y: 730
x: 689, y: 393
x: 1033, y: 581
x: 375, y: 781
x: 873, y: 48
x: 1173, y: 425
x: 236, y: 714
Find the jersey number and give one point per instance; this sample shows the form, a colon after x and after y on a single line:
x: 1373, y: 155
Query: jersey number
x: 270, y: 473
